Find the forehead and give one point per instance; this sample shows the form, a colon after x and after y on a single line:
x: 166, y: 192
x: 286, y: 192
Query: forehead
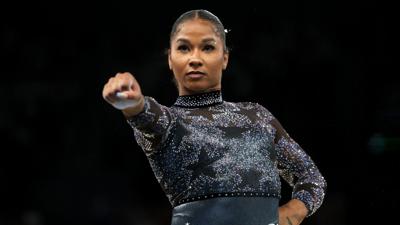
x: 196, y: 28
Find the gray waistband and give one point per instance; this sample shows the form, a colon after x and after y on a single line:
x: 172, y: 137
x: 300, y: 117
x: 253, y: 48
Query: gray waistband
x: 228, y: 210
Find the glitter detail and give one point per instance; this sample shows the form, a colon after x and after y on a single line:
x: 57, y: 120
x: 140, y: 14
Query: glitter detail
x: 298, y: 169
x: 203, y: 147
x: 199, y: 100
x: 229, y: 194
x: 151, y: 125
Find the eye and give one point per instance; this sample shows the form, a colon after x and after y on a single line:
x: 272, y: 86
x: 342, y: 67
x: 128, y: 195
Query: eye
x: 183, y: 48
x: 208, y: 48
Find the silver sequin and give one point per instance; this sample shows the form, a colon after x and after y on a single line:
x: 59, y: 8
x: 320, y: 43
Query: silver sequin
x: 203, y: 147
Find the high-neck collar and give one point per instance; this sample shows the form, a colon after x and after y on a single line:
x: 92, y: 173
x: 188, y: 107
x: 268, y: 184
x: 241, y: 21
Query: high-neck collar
x: 199, y: 100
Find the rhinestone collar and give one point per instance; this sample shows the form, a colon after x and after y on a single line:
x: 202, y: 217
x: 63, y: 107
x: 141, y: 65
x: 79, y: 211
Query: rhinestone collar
x: 199, y: 100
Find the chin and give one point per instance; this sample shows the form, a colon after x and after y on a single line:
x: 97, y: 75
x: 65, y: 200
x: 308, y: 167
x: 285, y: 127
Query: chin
x: 199, y: 87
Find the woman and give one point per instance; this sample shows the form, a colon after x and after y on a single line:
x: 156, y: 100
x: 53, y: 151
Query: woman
x: 218, y: 162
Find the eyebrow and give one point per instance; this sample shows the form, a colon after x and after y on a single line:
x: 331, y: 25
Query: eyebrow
x: 205, y: 40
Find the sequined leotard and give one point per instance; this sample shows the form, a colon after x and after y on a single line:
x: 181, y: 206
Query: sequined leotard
x: 206, y: 150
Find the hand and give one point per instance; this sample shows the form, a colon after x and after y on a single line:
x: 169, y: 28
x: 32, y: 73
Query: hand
x: 123, y: 92
x: 292, y: 213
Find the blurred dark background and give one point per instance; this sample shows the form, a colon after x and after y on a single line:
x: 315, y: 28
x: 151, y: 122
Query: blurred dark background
x: 325, y: 69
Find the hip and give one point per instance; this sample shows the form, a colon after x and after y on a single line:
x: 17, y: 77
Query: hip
x: 228, y: 210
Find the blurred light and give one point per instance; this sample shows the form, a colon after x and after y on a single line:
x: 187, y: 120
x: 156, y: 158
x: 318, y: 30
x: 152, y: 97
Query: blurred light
x: 379, y: 144
x: 376, y: 144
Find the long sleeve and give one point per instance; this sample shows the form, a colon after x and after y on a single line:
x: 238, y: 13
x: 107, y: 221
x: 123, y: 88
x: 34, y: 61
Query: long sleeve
x: 152, y: 126
x: 299, y: 170
x: 295, y: 166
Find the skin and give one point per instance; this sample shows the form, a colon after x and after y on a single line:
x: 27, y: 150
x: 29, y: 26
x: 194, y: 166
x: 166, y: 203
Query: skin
x: 292, y: 213
x: 195, y: 47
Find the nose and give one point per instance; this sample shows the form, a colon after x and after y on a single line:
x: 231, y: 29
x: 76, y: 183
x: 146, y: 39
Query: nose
x: 195, y: 60
x: 195, y: 63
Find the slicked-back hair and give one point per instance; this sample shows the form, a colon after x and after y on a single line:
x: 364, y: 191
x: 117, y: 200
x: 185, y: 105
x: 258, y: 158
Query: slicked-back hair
x: 204, y: 15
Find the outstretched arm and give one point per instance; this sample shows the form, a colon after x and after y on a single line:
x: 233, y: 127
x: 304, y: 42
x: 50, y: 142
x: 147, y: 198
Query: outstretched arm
x: 123, y: 92
x: 150, y: 120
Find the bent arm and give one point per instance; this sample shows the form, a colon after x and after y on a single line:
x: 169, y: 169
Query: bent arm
x: 299, y: 170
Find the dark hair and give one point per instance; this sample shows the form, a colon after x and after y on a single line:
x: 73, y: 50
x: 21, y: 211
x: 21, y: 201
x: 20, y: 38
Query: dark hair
x: 204, y: 15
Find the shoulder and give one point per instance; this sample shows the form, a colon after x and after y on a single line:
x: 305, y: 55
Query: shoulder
x: 254, y: 107
x: 248, y: 105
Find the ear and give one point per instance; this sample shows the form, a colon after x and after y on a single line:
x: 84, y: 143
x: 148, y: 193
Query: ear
x: 169, y: 59
x: 226, y: 59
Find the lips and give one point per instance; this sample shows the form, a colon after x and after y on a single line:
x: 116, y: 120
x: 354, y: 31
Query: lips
x: 195, y: 74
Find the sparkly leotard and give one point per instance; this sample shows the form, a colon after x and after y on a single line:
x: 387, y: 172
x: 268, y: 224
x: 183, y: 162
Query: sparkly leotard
x: 204, y: 148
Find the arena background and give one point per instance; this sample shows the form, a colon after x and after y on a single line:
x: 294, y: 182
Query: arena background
x: 325, y: 69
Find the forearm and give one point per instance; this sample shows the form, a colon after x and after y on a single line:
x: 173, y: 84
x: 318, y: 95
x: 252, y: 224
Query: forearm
x: 151, y: 123
x: 133, y: 111
x: 299, y: 170
x: 292, y: 213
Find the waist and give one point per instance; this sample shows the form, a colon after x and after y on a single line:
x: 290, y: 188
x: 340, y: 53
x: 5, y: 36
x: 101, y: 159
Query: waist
x: 227, y: 210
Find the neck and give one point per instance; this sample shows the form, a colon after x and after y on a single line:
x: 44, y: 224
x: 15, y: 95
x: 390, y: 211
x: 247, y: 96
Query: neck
x: 201, y: 99
x: 183, y: 91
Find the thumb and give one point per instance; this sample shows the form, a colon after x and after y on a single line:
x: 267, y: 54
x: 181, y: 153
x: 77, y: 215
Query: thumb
x: 130, y: 91
x: 123, y: 95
